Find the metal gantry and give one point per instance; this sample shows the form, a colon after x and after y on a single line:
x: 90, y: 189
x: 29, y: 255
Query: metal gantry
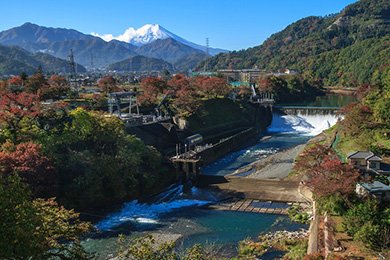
x: 115, y: 99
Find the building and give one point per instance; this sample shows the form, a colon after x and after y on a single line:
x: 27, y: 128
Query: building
x: 365, y: 160
x: 290, y: 71
x: 244, y: 75
x: 376, y: 189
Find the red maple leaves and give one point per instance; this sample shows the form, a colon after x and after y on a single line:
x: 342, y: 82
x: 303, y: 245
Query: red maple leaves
x: 28, y: 161
x: 326, y: 174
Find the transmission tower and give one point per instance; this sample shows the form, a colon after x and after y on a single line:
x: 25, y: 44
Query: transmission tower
x: 73, y: 68
x: 207, y: 53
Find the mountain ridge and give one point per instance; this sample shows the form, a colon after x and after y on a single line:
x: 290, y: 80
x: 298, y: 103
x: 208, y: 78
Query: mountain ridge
x: 151, y: 32
x: 14, y: 60
x: 302, y: 44
x: 167, y: 49
x: 93, y: 51
x: 103, y: 53
x: 140, y: 63
x: 39, y: 34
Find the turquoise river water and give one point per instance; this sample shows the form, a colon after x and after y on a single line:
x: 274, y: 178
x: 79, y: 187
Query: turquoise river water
x: 178, y: 212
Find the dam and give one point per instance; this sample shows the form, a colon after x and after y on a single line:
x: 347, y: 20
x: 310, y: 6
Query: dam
x: 187, y: 211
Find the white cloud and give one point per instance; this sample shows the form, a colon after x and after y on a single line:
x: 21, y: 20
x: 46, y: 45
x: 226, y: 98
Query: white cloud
x: 106, y: 37
x: 143, y: 35
x: 125, y: 37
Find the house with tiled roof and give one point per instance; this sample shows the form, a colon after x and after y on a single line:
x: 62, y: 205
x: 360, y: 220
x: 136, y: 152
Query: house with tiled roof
x: 369, y: 162
x: 376, y: 189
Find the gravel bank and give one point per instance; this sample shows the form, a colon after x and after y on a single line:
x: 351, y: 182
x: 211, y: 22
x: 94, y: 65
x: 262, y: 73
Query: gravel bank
x: 275, y: 166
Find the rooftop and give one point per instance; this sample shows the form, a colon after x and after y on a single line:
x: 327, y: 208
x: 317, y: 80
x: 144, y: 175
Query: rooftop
x: 375, y: 186
x: 367, y: 155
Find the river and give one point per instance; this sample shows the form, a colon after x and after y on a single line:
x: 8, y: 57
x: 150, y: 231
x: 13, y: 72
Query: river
x: 178, y: 212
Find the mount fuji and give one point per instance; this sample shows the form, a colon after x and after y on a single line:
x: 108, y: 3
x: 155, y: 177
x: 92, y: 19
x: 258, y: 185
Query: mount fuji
x: 150, y: 33
x: 152, y: 41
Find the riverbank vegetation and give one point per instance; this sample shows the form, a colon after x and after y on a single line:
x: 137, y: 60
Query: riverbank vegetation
x: 149, y: 248
x: 354, y: 223
x: 80, y: 156
x: 290, y: 88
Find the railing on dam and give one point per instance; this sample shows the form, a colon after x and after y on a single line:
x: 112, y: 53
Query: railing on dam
x: 302, y: 110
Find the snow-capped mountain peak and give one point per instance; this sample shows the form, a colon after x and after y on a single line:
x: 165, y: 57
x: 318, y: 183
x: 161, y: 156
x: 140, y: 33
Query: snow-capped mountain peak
x: 144, y: 35
x: 149, y: 33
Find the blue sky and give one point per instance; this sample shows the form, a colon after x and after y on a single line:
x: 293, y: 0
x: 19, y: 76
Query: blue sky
x: 228, y: 24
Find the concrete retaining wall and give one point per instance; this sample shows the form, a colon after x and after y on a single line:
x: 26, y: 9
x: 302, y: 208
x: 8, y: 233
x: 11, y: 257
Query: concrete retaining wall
x: 227, y: 145
x: 312, y: 246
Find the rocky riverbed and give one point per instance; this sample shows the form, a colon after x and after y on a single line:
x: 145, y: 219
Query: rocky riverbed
x: 275, y: 166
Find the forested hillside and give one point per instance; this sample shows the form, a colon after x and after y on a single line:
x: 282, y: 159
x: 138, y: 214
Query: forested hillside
x: 140, y: 63
x: 14, y: 59
x: 344, y: 48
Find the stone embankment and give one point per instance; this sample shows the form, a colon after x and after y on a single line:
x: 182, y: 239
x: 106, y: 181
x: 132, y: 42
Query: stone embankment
x: 277, y: 235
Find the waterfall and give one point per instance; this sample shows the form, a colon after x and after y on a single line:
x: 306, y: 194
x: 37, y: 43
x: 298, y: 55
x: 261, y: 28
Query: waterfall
x: 148, y: 213
x: 305, y: 120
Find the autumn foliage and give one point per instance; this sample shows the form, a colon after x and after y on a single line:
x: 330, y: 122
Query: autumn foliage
x: 36, y: 83
x: 16, y: 80
x: 152, y: 87
x: 19, y: 105
x: 210, y: 87
x: 185, y: 93
x: 326, y: 174
x: 108, y: 85
x: 17, y: 111
x: 33, y: 167
x: 58, y: 87
x: 358, y: 117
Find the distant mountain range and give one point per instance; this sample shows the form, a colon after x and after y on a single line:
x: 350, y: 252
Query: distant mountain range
x: 152, y: 41
x: 141, y: 63
x: 152, y: 32
x: 14, y: 60
x: 346, y: 49
x: 102, y: 53
x: 33, y: 33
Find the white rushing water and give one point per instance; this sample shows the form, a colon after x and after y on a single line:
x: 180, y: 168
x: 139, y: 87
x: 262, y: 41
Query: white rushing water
x: 302, y: 122
x: 145, y: 213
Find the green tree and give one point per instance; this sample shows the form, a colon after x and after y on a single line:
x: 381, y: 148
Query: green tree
x: 361, y: 221
x: 382, y: 111
x: 37, y: 229
x: 97, y: 161
x: 23, y: 75
x: 148, y: 248
x: 36, y: 83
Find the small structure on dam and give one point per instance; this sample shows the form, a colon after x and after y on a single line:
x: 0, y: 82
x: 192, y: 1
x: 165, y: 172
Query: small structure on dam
x: 131, y: 118
x: 115, y: 99
x: 188, y: 164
